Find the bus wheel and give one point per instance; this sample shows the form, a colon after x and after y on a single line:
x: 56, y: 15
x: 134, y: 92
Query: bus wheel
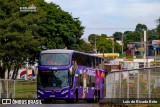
x: 76, y: 96
x: 47, y: 101
x: 74, y: 100
x: 96, y: 97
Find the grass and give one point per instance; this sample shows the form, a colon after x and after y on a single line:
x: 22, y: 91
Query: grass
x: 25, y: 89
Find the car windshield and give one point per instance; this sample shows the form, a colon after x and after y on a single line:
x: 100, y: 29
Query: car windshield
x: 56, y: 79
x: 60, y: 59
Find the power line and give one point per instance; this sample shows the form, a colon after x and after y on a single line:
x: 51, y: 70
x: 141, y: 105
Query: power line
x: 113, y: 28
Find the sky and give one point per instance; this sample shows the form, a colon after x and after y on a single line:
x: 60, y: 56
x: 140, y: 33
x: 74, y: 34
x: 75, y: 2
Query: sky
x: 109, y: 16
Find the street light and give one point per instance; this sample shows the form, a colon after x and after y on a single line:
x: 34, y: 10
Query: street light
x: 122, y: 44
x: 145, y: 48
x: 27, y: 69
x: 155, y: 54
x: 112, y: 45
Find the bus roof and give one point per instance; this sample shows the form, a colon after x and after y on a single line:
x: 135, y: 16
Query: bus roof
x: 67, y: 51
x: 58, y: 51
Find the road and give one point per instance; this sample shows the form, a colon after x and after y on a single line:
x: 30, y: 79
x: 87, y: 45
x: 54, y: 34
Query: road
x: 153, y: 57
x: 53, y: 105
x: 58, y: 104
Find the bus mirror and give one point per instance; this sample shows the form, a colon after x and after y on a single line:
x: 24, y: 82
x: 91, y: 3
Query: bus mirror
x: 73, y: 68
x: 71, y: 71
x: 72, y: 62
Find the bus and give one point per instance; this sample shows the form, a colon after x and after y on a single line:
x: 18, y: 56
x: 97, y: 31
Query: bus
x: 70, y: 75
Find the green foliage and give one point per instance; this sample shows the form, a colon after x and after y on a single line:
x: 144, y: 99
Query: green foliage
x: 141, y: 27
x: 103, y: 44
x: 117, y: 35
x: 138, y: 35
x: 158, y: 31
x: 24, y: 34
x: 103, y: 35
x: 85, y: 47
x: 17, y: 33
x: 92, y: 38
x: 156, y: 92
x: 60, y: 28
x: 152, y: 35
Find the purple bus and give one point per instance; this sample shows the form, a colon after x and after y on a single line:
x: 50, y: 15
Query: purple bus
x: 70, y: 75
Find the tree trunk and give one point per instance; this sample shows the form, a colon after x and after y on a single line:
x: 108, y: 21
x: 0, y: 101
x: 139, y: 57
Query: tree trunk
x: 9, y: 69
x: 2, y: 72
x: 15, y: 72
x: 3, y: 82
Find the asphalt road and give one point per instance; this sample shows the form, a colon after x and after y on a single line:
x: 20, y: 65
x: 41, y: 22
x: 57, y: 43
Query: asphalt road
x: 52, y: 105
x: 80, y: 103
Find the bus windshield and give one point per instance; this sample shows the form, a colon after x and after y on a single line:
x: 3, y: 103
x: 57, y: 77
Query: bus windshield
x: 56, y: 79
x: 60, y: 59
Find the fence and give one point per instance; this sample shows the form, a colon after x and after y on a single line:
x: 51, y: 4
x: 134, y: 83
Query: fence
x: 17, y: 88
x: 136, y: 83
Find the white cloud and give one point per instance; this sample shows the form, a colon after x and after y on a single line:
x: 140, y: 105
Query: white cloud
x: 112, y: 13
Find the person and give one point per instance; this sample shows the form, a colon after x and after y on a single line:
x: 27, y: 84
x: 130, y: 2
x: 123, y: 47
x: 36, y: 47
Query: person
x: 50, y: 61
x: 47, y: 60
x: 128, y: 52
x: 62, y: 59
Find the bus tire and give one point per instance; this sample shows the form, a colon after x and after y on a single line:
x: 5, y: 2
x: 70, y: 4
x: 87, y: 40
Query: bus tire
x: 75, y: 99
x: 47, y: 101
x: 96, y: 96
x: 75, y: 96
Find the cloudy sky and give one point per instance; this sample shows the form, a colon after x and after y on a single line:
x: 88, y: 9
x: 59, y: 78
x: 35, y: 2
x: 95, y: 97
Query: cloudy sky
x: 109, y: 16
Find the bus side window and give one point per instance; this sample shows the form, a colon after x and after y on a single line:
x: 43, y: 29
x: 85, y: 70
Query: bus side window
x: 71, y: 81
x: 88, y: 81
x: 93, y: 62
x: 91, y: 81
x: 80, y: 80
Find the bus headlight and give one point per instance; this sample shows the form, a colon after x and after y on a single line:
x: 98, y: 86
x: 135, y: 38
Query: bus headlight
x: 65, y: 91
x: 41, y: 92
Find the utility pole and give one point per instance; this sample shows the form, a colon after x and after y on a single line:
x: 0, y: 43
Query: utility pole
x: 122, y: 44
x: 113, y: 45
x: 145, y: 49
x: 27, y: 70
x: 95, y: 46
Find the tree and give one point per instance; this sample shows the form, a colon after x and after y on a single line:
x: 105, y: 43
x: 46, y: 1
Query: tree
x: 117, y: 35
x: 92, y: 38
x: 103, y: 35
x: 105, y: 46
x: 140, y: 27
x: 61, y: 29
x: 134, y: 36
x: 85, y: 47
x: 127, y: 32
x: 158, y: 28
x: 158, y: 31
x: 24, y: 34
x: 152, y: 35
x: 17, y: 34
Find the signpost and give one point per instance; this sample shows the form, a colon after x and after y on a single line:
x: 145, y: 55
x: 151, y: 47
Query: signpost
x: 144, y: 57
